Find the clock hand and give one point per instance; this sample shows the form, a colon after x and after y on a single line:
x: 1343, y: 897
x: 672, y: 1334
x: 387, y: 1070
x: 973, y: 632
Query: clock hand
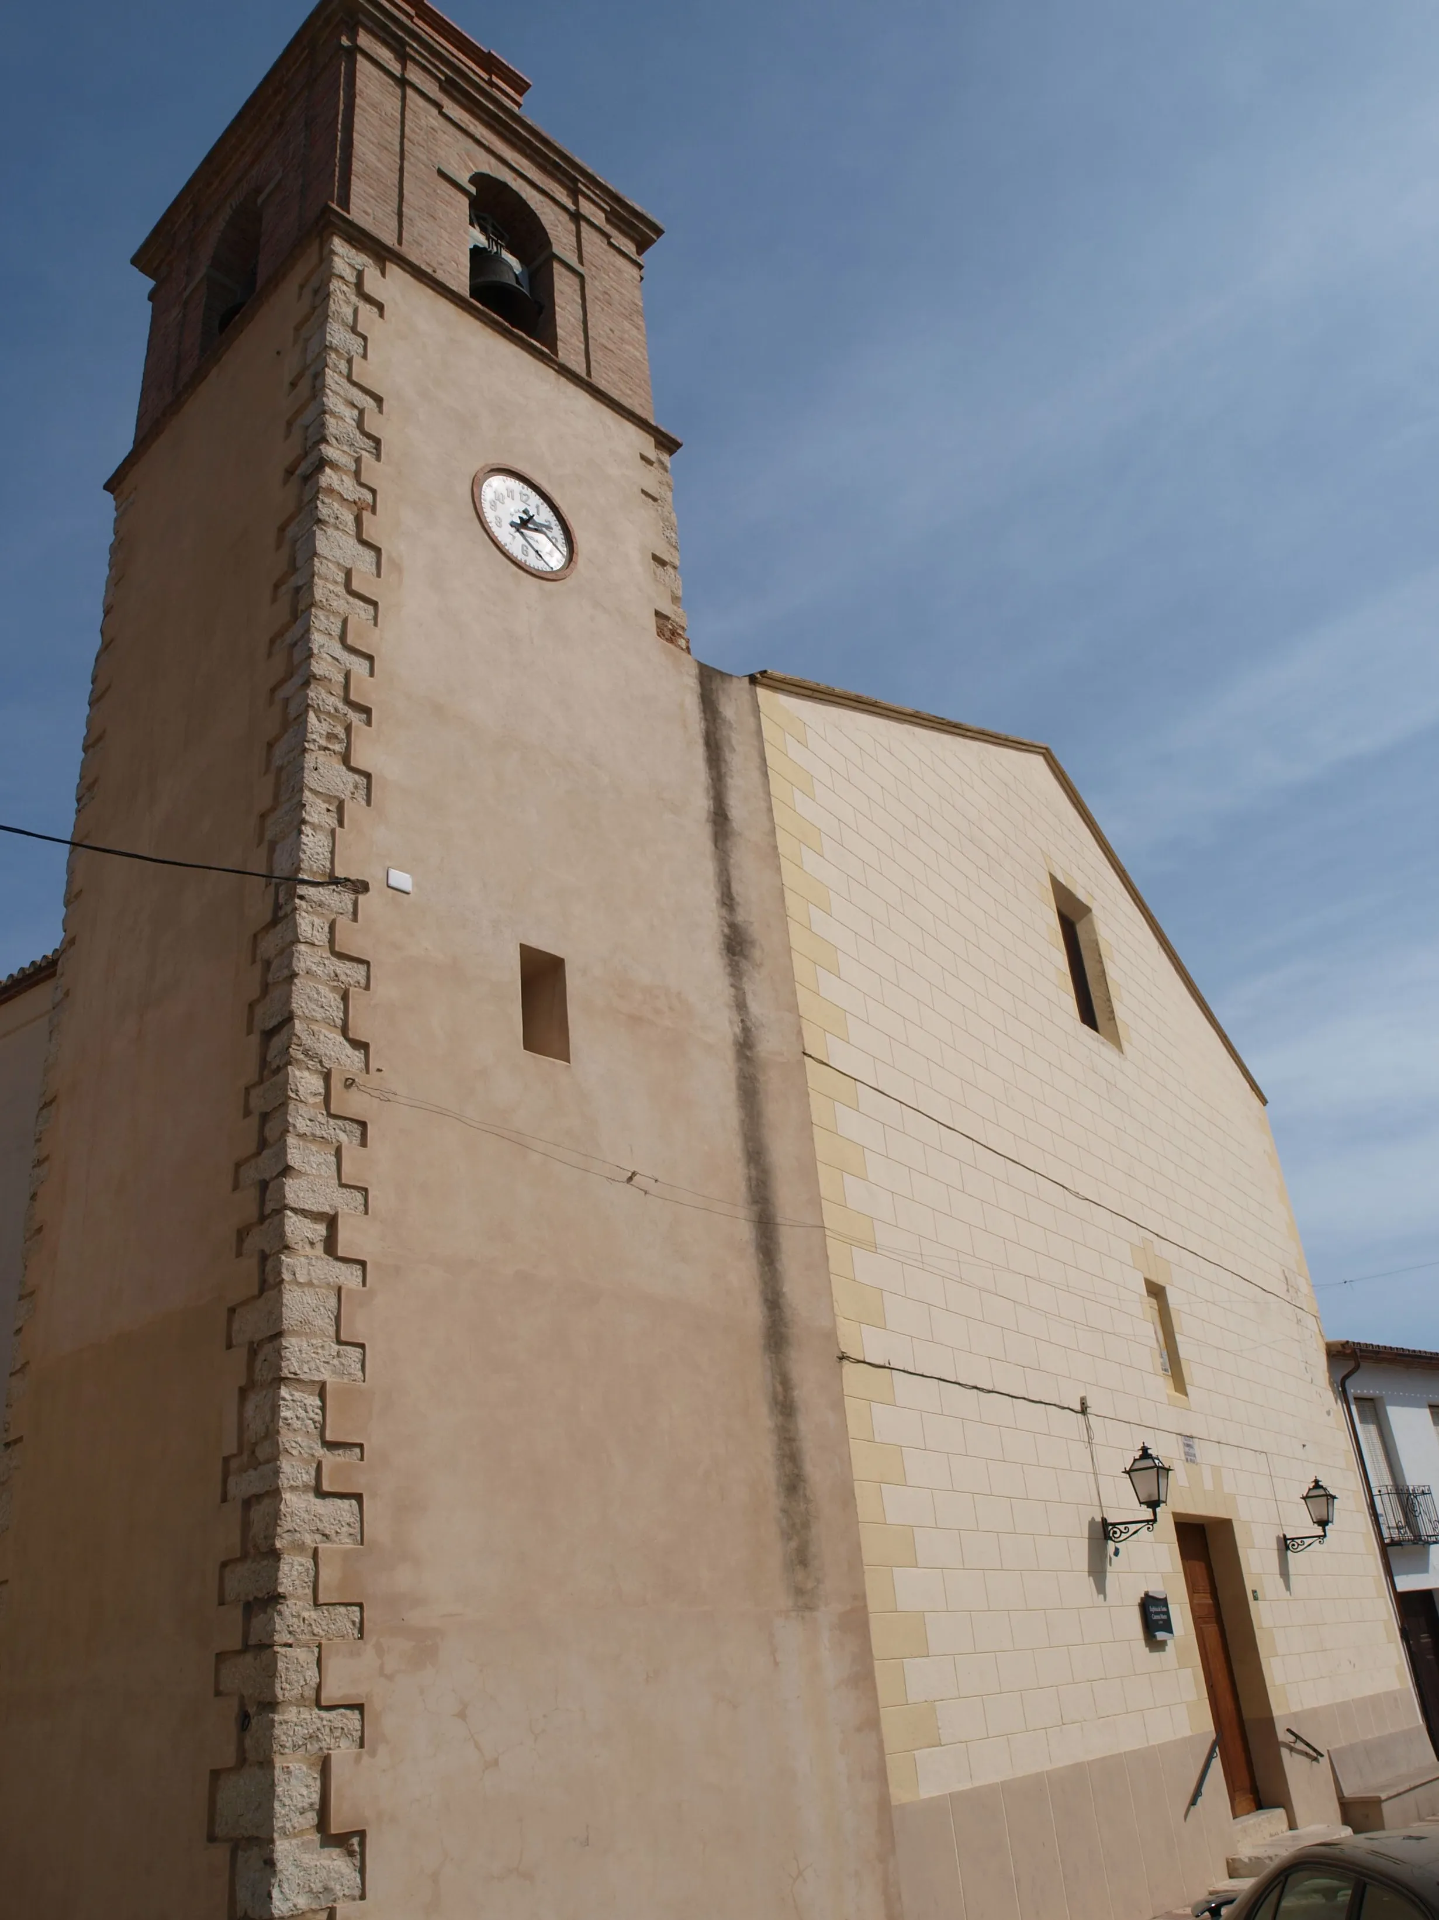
x: 526, y: 525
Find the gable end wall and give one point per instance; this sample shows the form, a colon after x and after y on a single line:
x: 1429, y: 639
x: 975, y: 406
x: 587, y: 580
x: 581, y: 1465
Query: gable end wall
x: 1000, y: 1182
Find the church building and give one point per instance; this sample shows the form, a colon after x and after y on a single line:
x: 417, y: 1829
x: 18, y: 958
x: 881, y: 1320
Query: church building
x: 692, y: 1315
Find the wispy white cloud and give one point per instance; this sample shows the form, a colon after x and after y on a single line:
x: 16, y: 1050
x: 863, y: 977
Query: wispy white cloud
x: 1366, y: 1044
x: 1357, y: 685
x: 1350, y: 1061
x: 1370, y: 1195
x: 913, y: 436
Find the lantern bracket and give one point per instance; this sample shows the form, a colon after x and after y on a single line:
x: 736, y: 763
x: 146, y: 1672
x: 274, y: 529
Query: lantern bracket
x: 1321, y: 1504
x: 1117, y: 1530
x: 1149, y: 1477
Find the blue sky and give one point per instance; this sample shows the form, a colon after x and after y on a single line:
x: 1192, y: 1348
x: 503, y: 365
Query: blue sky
x: 1069, y: 370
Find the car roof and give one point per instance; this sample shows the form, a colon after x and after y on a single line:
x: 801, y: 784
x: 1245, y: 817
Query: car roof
x: 1408, y: 1855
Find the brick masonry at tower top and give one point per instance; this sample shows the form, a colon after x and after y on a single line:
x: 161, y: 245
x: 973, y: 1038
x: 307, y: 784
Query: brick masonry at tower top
x: 386, y: 110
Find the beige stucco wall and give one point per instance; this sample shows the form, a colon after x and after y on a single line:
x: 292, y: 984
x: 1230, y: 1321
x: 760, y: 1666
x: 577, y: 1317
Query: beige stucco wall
x: 107, y: 1648
x: 24, y: 1029
x: 615, y: 1650
x: 999, y: 1183
x: 615, y: 1645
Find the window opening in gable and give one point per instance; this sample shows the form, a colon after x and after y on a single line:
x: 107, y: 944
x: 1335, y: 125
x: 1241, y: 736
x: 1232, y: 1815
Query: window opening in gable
x: 1092, y: 998
x: 1161, y: 1320
x: 1083, y: 998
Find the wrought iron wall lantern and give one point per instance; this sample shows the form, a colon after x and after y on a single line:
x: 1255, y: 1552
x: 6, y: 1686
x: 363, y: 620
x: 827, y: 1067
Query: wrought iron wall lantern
x: 1321, y: 1504
x: 1149, y: 1477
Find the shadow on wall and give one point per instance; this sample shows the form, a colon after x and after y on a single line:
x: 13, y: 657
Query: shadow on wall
x: 1098, y: 1559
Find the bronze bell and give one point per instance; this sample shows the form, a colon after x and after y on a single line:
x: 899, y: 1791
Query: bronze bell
x: 496, y: 285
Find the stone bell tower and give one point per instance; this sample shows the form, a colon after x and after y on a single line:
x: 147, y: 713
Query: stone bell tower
x: 425, y: 1482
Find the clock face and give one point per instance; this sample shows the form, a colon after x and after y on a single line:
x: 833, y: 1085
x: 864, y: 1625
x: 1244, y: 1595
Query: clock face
x: 523, y: 523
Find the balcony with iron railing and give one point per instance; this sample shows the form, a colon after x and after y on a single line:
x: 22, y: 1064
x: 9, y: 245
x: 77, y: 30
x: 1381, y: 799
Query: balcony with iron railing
x: 1408, y: 1516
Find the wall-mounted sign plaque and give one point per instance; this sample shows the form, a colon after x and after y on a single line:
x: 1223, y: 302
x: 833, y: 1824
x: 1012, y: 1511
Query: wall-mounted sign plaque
x: 1154, y: 1611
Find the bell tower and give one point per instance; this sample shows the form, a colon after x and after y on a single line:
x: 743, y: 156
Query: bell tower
x: 425, y: 1484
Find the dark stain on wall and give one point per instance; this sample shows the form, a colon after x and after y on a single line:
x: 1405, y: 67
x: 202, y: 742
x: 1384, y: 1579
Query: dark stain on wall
x: 795, y: 1514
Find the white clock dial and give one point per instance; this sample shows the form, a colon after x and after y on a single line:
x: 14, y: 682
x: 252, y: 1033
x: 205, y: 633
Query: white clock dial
x: 530, y: 528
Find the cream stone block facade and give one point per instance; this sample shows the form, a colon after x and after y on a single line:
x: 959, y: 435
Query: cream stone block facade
x: 1005, y: 1193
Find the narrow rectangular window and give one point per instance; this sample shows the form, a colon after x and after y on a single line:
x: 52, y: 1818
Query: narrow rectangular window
x: 544, y: 1009
x: 1083, y: 998
x: 1161, y: 1320
x: 1374, y: 1442
x: 1092, y: 999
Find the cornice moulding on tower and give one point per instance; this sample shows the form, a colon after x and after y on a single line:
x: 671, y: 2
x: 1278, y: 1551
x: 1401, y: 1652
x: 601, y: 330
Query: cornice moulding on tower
x: 473, y: 78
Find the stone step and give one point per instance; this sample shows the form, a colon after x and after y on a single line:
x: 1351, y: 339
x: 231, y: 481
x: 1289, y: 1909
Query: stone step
x: 1260, y: 1858
x: 1250, y: 1829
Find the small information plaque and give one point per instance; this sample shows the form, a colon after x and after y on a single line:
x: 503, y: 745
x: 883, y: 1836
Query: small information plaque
x: 1154, y: 1611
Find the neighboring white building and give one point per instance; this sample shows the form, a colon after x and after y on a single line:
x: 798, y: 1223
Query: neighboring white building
x: 1391, y: 1396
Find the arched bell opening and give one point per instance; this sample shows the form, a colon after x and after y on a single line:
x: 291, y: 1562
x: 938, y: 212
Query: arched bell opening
x: 511, y: 261
x: 233, y: 272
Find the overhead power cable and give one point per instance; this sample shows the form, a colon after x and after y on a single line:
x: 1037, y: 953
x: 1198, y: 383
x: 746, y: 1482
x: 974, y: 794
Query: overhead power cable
x: 194, y: 866
x: 1075, y: 1193
x: 1389, y: 1273
x: 970, y: 1386
x: 650, y: 1186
